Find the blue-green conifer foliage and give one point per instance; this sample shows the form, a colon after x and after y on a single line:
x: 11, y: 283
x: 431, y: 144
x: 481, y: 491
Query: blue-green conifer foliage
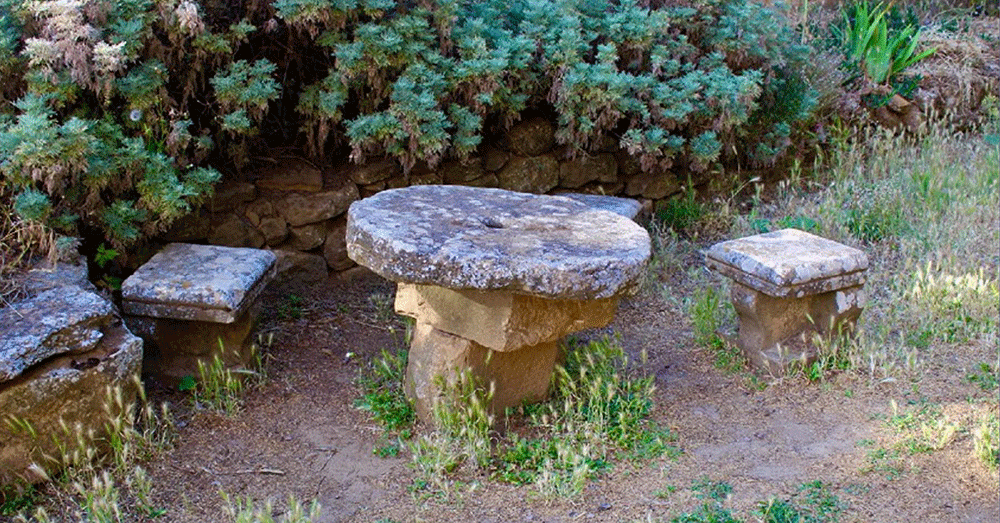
x: 122, y: 114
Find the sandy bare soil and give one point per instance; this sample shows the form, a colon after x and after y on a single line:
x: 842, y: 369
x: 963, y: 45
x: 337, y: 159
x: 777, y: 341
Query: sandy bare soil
x: 299, y: 434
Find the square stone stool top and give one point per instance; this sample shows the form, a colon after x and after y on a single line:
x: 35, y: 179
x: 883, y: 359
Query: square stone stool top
x: 193, y: 302
x: 494, y: 279
x: 787, y: 285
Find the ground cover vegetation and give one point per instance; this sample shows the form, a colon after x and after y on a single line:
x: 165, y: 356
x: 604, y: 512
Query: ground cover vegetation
x: 121, y: 118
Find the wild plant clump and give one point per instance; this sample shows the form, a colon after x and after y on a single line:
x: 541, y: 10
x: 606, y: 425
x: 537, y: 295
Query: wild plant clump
x: 125, y: 113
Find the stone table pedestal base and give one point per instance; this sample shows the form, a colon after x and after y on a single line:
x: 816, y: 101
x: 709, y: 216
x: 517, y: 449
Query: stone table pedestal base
x: 173, y: 348
x: 437, y: 359
x: 507, y: 342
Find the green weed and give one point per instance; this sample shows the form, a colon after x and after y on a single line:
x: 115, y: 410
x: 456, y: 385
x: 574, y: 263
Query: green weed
x: 707, y: 513
x: 596, y: 414
x: 709, y: 311
x: 100, y: 477
x: 681, y: 213
x: 291, y: 308
x: 802, y: 223
x: 706, y: 315
x: 19, y: 499
x: 985, y: 377
x: 711, y: 511
x: 382, y: 394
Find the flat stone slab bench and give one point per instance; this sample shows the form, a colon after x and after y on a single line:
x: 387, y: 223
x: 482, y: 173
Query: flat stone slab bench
x: 494, y: 279
x: 193, y: 302
x: 788, y: 285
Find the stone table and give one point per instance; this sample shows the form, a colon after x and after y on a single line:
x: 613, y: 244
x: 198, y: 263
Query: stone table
x: 191, y: 303
x: 787, y: 286
x: 494, y: 280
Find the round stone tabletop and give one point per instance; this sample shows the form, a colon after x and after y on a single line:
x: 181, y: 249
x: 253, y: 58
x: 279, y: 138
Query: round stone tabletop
x: 491, y: 239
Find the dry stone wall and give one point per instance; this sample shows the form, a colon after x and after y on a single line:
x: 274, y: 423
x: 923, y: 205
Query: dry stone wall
x: 297, y: 208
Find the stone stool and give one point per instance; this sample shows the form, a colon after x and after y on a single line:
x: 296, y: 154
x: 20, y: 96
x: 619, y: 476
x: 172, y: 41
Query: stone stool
x: 193, y: 302
x: 788, y: 285
x: 494, y: 280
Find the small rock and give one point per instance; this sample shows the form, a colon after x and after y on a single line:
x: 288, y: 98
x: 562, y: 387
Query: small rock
x: 304, y: 208
x: 458, y: 173
x: 580, y: 171
x: 531, y: 137
x: 536, y: 175
x: 291, y: 174
x: 335, y: 246
x: 234, y: 232
x: 375, y: 171
x: 306, y: 237
x: 228, y: 195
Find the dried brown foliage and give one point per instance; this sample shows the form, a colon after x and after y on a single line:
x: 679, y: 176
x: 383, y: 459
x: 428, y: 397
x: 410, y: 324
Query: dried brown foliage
x: 964, y: 69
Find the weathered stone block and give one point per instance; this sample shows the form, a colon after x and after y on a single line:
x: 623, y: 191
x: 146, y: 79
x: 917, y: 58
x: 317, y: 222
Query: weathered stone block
x: 197, y: 282
x: 494, y: 158
x: 291, y: 174
x: 789, y: 263
x: 460, y: 172
x: 61, y: 320
x: 298, y: 267
x: 788, y: 287
x: 305, y: 208
x: 228, y: 195
x: 274, y: 229
x: 775, y: 333
x: 490, y: 239
x: 335, y: 246
x: 66, y: 391
x: 626, y: 207
x: 60, y: 349
x: 532, y: 136
x: 306, y: 237
x: 502, y: 321
x: 236, y: 232
x: 652, y: 185
x: 192, y: 302
x: 375, y: 171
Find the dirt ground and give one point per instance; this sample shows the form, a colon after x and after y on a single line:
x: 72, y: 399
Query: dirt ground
x: 299, y: 434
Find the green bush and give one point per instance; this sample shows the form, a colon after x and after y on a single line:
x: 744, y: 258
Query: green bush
x: 126, y: 112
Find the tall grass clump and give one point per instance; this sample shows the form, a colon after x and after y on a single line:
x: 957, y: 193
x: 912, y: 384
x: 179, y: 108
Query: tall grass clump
x: 598, y: 412
x: 986, y: 440
x: 923, y: 207
x: 101, y: 476
x: 460, y: 434
x: 244, y: 510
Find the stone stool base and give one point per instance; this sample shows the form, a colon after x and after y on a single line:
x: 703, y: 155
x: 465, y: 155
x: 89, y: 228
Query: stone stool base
x: 775, y: 333
x: 173, y: 348
x: 437, y: 359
